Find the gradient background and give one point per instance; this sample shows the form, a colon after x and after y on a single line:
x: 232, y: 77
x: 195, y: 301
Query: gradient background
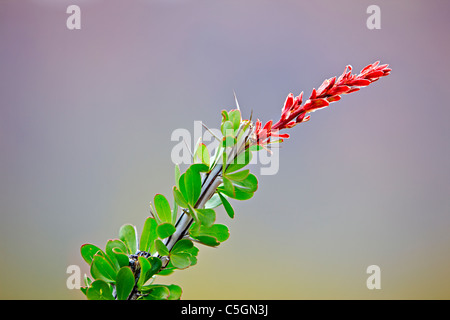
x: 86, y: 118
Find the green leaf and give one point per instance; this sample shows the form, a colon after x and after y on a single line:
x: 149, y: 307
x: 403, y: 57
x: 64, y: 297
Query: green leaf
x: 84, y: 290
x: 101, y: 269
x: 212, y: 235
x: 124, y: 283
x: 193, y: 213
x: 224, y: 162
x: 175, y: 292
x: 156, y: 292
x: 88, y: 251
x: 225, y: 116
x: 161, y: 248
x: 128, y: 235
x: 240, y: 161
x: 238, y: 193
x: 149, y: 267
x: 165, y: 230
x: 194, y: 253
x: 227, y: 128
x: 121, y: 257
x: 228, y: 208
x: 213, y: 202
x: 228, y: 141
x: 190, y: 185
x: 155, y: 266
x: 183, y: 245
x: 110, y: 245
x: 154, y: 214
x: 228, y: 186
x: 194, y: 182
x: 145, y: 268
x: 87, y: 281
x: 99, y: 290
x: 168, y: 270
x: 148, y: 235
x: 184, y: 188
x: 174, y: 212
x: 249, y: 184
x: 95, y: 273
x: 235, y: 118
x: 181, y: 260
x: 116, y: 243
x: 179, y: 198
x: 238, y: 176
x: 255, y: 147
x: 206, y: 216
x: 177, y: 175
x: 202, y: 154
x: 199, y: 167
x: 219, y: 231
x: 208, y: 240
x: 163, y: 210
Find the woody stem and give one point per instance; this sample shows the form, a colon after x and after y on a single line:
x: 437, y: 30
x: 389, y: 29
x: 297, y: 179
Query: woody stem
x: 210, y: 183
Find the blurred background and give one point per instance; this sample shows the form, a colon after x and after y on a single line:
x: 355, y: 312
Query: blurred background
x: 86, y: 118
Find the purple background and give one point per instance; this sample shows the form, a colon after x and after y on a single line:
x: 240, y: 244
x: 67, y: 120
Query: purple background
x: 86, y: 118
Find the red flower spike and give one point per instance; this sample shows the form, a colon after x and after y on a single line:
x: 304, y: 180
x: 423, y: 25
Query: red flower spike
x: 329, y: 91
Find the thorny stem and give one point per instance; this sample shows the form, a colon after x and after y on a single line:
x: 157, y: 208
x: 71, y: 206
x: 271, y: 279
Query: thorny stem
x: 211, y: 181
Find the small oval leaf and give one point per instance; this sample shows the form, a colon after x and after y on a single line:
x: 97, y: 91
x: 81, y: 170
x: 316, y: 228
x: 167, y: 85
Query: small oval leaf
x: 227, y: 206
x: 148, y: 235
x: 128, y: 235
x: 99, y: 290
x: 124, y: 283
x: 165, y: 230
x: 88, y: 251
x: 181, y: 260
x: 161, y: 248
x: 162, y: 207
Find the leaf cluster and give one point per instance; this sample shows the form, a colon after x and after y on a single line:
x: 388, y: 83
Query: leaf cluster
x: 129, y: 264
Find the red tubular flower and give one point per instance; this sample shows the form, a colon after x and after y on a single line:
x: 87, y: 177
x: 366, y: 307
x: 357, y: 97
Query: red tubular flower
x: 329, y: 91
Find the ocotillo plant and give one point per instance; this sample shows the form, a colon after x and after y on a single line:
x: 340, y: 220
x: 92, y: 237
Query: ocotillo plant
x: 128, y: 266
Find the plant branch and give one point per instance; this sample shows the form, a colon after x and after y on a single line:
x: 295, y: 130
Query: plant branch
x: 210, y: 182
